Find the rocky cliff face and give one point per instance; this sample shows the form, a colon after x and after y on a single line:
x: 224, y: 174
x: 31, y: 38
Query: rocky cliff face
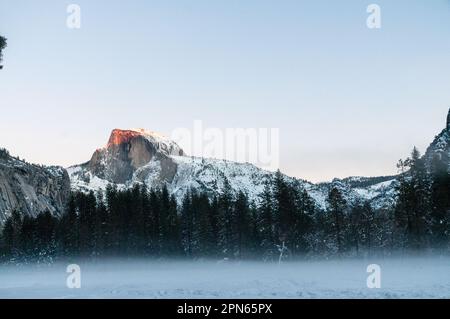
x: 31, y: 188
x: 448, y: 120
x: 127, y: 151
x: 441, y: 145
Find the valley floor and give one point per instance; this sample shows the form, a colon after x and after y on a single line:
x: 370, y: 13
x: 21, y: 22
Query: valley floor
x: 426, y: 277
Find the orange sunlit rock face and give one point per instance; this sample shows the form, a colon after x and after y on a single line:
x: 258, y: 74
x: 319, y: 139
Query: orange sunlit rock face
x: 121, y: 136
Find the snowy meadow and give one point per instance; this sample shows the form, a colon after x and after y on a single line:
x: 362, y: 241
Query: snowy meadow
x: 424, y: 277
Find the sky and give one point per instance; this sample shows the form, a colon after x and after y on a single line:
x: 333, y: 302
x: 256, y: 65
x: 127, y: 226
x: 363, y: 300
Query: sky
x: 347, y: 100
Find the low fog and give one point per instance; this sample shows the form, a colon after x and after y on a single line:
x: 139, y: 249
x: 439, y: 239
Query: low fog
x: 413, y: 277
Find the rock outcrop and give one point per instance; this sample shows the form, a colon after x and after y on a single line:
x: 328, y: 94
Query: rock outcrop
x: 448, y: 120
x: 31, y: 189
x: 440, y: 147
x: 127, y: 151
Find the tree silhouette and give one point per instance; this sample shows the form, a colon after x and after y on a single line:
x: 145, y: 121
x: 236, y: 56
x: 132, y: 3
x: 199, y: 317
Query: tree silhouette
x: 2, y: 47
x: 336, y: 207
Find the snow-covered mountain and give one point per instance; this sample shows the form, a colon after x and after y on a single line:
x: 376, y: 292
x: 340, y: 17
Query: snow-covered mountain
x: 127, y: 151
x: 139, y: 156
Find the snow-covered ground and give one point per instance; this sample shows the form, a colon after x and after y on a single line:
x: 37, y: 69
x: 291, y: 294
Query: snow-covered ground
x: 400, y: 278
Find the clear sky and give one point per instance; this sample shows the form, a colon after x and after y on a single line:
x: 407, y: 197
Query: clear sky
x: 348, y: 100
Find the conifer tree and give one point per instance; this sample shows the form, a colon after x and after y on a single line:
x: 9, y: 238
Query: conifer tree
x: 242, y: 230
x: 28, y: 238
x: 336, y: 208
x: 413, y: 202
x: 266, y: 223
x: 304, y: 210
x: 2, y: 47
x: 67, y: 232
x: 284, y: 212
x: 8, y: 238
x: 46, y: 234
x: 226, y: 217
x: 440, y: 201
x: 187, y: 225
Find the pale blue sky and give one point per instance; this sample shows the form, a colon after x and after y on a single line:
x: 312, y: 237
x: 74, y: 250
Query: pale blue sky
x: 348, y: 100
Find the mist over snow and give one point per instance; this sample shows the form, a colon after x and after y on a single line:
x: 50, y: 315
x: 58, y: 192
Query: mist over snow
x: 413, y: 277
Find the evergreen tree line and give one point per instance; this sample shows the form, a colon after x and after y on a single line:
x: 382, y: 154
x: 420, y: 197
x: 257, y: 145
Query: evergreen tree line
x: 283, y: 224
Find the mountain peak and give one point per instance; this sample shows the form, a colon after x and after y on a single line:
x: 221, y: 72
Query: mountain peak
x: 119, y: 136
x: 146, y: 132
x: 160, y: 141
x: 448, y: 120
x: 128, y: 150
